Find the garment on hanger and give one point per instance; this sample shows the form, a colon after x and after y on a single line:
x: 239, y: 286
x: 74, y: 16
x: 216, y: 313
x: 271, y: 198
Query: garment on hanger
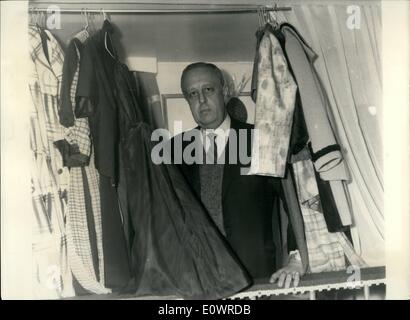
x: 84, y: 229
x: 292, y: 218
x: 52, y: 276
x: 333, y: 195
x: 147, y: 94
x: 327, y: 196
x: 176, y: 250
x: 254, y: 81
x: 95, y: 100
x: 326, y: 153
x: 298, y: 135
x: 275, y: 104
x: 327, y: 251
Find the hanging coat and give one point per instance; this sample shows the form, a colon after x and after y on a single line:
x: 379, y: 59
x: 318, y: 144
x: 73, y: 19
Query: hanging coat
x: 84, y: 230
x: 326, y: 152
x: 275, y: 104
x: 51, y: 273
x: 175, y: 248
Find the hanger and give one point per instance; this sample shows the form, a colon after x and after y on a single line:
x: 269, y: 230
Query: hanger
x: 84, y: 33
x: 40, y: 23
x: 263, y: 16
x: 260, y: 16
x: 84, y: 12
x: 273, y: 18
x: 105, y: 16
x: 32, y: 17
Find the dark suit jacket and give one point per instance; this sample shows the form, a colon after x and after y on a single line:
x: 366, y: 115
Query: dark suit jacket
x: 250, y: 209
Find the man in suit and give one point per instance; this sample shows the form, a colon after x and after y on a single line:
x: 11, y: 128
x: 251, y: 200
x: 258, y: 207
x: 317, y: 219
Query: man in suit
x: 243, y: 207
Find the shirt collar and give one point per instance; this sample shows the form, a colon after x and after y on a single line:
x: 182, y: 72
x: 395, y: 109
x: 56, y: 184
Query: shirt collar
x: 223, y: 127
x: 222, y: 135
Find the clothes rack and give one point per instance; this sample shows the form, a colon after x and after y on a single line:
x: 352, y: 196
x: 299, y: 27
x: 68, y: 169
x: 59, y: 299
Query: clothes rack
x: 196, y: 8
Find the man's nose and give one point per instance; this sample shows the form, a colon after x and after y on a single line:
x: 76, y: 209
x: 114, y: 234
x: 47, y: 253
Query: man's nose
x: 202, y: 97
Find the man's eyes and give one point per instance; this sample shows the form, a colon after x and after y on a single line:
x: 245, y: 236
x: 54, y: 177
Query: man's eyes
x: 193, y: 94
x: 206, y: 90
x: 209, y: 89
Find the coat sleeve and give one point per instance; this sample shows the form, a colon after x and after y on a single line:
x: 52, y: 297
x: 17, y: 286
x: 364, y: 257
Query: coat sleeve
x: 275, y: 105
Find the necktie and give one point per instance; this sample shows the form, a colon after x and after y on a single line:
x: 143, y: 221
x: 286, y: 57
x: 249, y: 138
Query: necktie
x: 212, y: 153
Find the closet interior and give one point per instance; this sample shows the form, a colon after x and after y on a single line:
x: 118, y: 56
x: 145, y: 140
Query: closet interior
x: 106, y: 74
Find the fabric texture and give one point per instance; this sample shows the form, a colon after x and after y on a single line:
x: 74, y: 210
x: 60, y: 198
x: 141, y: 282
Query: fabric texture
x: 350, y: 69
x: 84, y: 230
x: 250, y: 207
x: 334, y: 201
x: 291, y: 217
x: 95, y: 101
x: 210, y: 175
x: 327, y: 251
x: 176, y: 248
x: 275, y: 103
x: 326, y: 152
x: 52, y: 275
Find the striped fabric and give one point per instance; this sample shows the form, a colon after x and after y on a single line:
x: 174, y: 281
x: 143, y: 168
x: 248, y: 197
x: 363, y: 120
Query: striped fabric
x: 52, y: 276
x: 327, y: 251
x: 79, y: 248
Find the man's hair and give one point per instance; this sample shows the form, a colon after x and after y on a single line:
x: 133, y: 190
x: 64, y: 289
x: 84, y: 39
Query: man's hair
x: 199, y: 65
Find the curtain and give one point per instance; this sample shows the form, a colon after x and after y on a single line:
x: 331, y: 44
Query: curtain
x: 349, y: 65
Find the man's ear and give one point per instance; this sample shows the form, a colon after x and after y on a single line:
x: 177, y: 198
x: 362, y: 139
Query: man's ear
x: 225, y: 92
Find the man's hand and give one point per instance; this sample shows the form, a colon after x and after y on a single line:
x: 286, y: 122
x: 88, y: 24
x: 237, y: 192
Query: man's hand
x: 293, y: 271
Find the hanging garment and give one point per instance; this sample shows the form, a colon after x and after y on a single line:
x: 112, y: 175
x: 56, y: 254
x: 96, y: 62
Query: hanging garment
x: 350, y: 68
x: 327, y: 196
x: 327, y: 251
x: 342, y: 201
x: 52, y: 276
x: 84, y: 230
x: 295, y: 218
x: 326, y: 153
x: 329, y: 208
x: 147, y: 94
x: 337, y: 196
x: 275, y: 103
x: 299, y: 134
x: 95, y: 100
x: 176, y: 248
x: 254, y: 81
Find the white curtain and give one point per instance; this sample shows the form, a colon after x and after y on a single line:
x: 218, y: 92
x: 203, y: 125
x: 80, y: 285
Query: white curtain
x: 349, y: 65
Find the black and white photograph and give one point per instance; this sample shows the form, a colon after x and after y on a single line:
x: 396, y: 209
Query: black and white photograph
x: 228, y: 150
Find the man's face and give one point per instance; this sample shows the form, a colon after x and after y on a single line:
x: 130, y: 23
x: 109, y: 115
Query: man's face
x: 205, y: 95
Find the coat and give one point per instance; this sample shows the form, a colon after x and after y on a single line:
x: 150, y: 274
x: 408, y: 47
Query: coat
x: 251, y: 210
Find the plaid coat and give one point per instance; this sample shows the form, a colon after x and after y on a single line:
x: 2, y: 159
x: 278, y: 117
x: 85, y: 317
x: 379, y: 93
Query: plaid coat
x: 52, y: 276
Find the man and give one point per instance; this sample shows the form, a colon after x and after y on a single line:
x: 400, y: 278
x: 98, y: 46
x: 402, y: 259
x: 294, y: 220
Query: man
x: 241, y: 206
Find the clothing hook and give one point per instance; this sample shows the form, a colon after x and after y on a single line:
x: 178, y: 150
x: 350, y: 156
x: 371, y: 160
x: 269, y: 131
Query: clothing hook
x: 274, y: 16
x: 84, y: 12
x: 265, y: 16
x: 259, y: 17
x: 104, y: 14
x: 43, y: 19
